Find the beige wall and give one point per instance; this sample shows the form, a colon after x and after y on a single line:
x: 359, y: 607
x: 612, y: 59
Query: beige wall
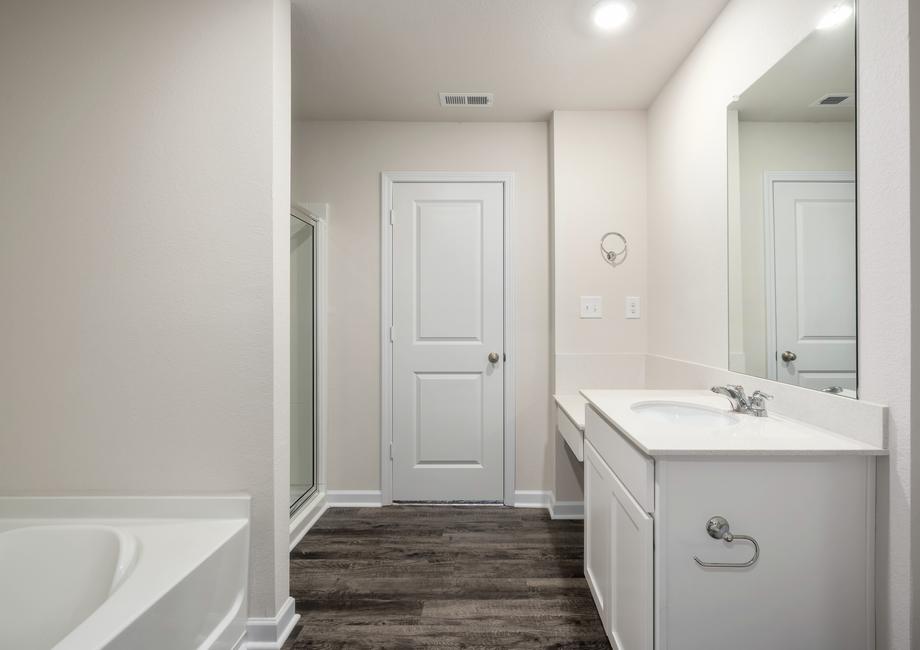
x: 599, y: 185
x: 775, y: 147
x: 340, y: 163
x: 688, y: 312
x: 913, y: 61
x: 137, y: 175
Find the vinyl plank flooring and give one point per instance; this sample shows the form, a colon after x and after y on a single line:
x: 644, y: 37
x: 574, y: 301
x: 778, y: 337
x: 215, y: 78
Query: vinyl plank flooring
x: 442, y: 577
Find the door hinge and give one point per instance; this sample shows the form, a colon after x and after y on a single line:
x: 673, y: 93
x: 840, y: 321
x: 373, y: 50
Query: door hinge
x: 391, y: 216
x: 392, y: 334
x: 391, y: 451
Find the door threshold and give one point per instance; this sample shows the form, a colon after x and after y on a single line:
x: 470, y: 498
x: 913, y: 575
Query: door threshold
x: 448, y: 503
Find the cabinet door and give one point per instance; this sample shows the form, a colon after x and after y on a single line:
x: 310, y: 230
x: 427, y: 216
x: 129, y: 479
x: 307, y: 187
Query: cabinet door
x: 631, y: 583
x: 618, y: 556
x: 598, y: 498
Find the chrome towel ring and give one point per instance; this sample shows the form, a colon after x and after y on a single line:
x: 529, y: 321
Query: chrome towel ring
x: 718, y: 528
x: 610, y: 255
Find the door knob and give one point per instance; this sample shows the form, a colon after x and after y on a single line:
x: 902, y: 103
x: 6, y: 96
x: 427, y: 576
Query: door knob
x: 789, y: 355
x: 493, y: 357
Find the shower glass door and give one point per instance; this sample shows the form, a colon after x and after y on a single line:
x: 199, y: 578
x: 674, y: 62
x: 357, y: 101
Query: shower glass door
x: 303, y: 361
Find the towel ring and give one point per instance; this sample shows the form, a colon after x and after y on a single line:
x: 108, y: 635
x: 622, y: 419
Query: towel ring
x: 718, y: 528
x: 611, y: 255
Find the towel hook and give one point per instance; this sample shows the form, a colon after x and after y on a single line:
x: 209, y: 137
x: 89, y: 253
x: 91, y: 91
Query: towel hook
x: 718, y: 528
x: 611, y: 255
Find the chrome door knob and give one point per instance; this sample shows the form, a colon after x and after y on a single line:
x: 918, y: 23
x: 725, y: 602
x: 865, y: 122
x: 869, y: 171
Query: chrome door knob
x: 493, y: 357
x: 789, y: 355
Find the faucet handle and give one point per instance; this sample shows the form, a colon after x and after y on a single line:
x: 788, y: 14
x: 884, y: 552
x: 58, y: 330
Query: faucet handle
x: 735, y: 389
x: 758, y: 403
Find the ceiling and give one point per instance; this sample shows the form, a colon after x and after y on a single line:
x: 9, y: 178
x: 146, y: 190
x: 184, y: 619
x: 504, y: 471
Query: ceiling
x: 823, y: 63
x: 389, y: 59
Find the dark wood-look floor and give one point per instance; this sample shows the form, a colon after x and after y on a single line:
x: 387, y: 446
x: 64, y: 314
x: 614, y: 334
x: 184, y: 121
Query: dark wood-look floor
x: 443, y: 577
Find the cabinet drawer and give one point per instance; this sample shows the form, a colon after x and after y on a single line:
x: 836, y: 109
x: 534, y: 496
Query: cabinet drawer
x: 633, y: 468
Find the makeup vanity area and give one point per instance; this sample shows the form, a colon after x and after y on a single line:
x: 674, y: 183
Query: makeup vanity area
x: 710, y: 526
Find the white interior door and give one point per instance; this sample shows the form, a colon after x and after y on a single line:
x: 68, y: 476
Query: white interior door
x: 448, y: 316
x: 815, y: 273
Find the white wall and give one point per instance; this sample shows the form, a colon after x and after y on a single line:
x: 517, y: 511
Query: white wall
x: 340, y: 163
x: 914, y: 126
x: 139, y: 185
x: 688, y: 313
x: 599, y: 185
x: 281, y: 297
x: 884, y: 307
x: 688, y: 171
x: 777, y: 147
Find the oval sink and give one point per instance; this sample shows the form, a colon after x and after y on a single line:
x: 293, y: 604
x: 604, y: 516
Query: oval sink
x: 684, y: 414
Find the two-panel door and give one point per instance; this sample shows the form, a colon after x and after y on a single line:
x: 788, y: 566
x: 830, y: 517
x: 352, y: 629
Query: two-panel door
x: 448, y: 341
x: 815, y: 273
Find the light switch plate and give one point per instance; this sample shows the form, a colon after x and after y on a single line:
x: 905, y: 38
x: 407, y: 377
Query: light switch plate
x: 632, y: 307
x: 592, y: 307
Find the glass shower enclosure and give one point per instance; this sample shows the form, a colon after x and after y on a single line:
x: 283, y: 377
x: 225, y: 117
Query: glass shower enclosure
x: 303, y: 361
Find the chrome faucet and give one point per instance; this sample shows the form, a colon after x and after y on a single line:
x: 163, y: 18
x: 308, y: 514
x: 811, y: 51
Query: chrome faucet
x: 755, y: 405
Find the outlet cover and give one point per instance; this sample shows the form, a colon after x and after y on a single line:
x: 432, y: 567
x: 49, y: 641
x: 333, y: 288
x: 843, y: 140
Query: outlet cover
x: 592, y: 307
x: 632, y: 307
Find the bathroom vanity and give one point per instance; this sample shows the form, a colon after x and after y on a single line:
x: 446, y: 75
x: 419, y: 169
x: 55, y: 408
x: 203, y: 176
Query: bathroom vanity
x: 705, y: 528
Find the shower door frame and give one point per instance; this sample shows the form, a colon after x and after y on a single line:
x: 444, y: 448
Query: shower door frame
x: 315, y: 214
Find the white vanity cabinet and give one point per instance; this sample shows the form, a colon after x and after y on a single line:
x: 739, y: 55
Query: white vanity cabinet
x: 812, y: 515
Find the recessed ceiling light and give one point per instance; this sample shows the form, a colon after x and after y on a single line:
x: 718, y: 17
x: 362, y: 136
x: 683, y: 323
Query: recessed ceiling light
x: 612, y: 14
x: 836, y: 16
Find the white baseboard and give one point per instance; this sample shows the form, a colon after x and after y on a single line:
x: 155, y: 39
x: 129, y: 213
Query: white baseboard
x: 531, y: 499
x: 308, y: 515
x: 522, y: 499
x: 546, y: 499
x: 354, y: 498
x: 270, y: 633
x: 566, y: 509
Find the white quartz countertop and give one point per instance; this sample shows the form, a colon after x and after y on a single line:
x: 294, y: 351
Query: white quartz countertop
x: 574, y: 407
x: 746, y: 435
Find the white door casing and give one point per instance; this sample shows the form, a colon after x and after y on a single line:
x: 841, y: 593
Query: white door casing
x: 448, y: 406
x: 811, y: 278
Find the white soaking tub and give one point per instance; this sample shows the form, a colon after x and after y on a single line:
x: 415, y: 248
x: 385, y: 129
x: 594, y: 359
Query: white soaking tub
x: 123, y: 573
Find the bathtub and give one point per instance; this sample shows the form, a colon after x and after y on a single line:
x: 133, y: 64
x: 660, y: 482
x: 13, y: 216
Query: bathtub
x: 123, y: 573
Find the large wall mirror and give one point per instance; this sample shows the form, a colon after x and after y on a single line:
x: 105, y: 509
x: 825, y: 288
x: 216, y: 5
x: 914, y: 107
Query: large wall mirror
x: 792, y: 216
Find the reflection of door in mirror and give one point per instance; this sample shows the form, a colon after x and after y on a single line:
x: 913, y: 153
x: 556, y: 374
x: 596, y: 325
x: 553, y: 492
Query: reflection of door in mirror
x: 792, y: 217
x: 811, y: 289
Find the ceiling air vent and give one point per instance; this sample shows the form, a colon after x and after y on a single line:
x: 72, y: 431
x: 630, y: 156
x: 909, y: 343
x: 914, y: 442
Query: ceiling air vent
x: 467, y: 99
x: 834, y: 99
